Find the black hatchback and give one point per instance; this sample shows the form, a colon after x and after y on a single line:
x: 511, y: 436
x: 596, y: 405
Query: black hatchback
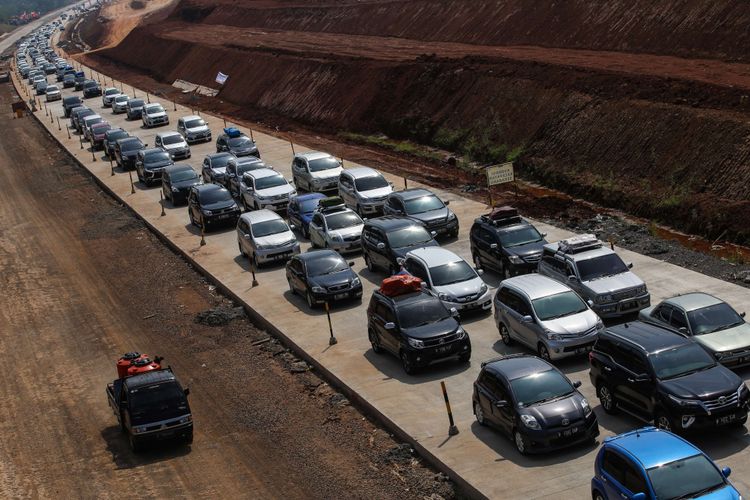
x: 417, y: 328
x: 387, y: 239
x: 533, y: 403
x: 322, y: 276
x: 211, y: 205
x: 176, y: 181
x: 150, y: 163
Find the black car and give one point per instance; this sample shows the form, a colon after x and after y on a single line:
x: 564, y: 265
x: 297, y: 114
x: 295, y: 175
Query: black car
x: 134, y: 109
x: 211, y: 205
x: 126, y: 151
x: 80, y: 79
x: 533, y: 403
x: 214, y: 167
x: 424, y: 206
x: 322, y: 276
x: 235, y: 142
x: 77, y: 116
x: 91, y: 89
x: 417, y: 328
x: 69, y: 103
x: 69, y: 81
x: 505, y: 242
x: 387, y: 239
x: 110, y: 139
x: 176, y: 181
x: 41, y: 88
x: 655, y: 374
x: 150, y: 163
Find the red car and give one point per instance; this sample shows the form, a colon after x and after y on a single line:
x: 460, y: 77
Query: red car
x: 97, y: 134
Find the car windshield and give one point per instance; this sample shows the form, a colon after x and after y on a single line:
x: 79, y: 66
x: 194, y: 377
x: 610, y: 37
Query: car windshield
x: 680, y: 361
x: 268, y: 227
x: 121, y: 98
x: 164, y: 397
x: 118, y: 134
x: 326, y: 265
x: 240, y: 142
x: 540, y: 387
x: 309, y: 205
x: 600, y: 267
x: 685, y: 478
x: 323, y: 164
x: 522, y: 236
x: 135, y: 103
x: 172, y: 139
x: 342, y: 220
x: 220, y: 161
x: 215, y: 196
x: 247, y: 167
x: 558, y: 305
x: 421, y: 313
x: 195, y: 123
x: 408, y: 237
x: 131, y: 145
x: 423, y: 204
x: 184, y: 175
x: 270, y: 181
x: 713, y: 318
x: 454, y: 272
x: 111, y: 91
x: 370, y: 183
x: 157, y: 108
x: 156, y: 156
x: 52, y: 88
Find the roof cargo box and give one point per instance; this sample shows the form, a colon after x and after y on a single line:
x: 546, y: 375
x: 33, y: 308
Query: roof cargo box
x: 400, y: 284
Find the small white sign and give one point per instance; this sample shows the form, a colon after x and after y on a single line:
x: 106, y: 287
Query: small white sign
x: 221, y: 78
x: 500, y: 174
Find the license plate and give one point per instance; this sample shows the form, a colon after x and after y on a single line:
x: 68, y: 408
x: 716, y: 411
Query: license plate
x: 726, y: 419
x: 225, y: 216
x: 443, y: 349
x: 581, y: 350
x: 282, y: 255
x: 340, y: 296
x: 630, y: 305
x: 570, y: 432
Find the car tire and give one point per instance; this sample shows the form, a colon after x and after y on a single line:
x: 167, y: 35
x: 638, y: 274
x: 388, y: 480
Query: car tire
x: 406, y: 363
x: 504, y: 272
x: 291, y: 287
x: 374, y: 342
x: 606, y: 398
x: 505, y: 334
x: 543, y: 352
x: 479, y: 414
x: 189, y: 438
x: 518, y: 442
x: 595, y: 495
x: 369, y: 264
x: 310, y: 301
x: 664, y: 422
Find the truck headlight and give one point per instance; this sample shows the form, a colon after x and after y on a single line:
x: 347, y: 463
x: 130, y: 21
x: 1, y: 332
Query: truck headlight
x: 515, y: 259
x: 139, y: 430
x: 530, y: 422
x: 415, y: 343
x: 318, y: 289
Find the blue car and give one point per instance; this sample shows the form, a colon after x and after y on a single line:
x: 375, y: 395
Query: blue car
x: 654, y: 464
x: 300, y: 210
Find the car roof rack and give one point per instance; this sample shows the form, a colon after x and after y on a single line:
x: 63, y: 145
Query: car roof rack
x: 331, y: 204
x: 502, y: 216
x: 505, y: 356
x: 579, y: 243
x: 232, y: 132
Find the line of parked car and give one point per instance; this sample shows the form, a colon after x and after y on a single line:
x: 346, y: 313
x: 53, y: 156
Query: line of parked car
x: 671, y: 368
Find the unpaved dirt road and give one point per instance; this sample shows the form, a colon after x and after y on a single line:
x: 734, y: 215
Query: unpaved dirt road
x: 81, y: 281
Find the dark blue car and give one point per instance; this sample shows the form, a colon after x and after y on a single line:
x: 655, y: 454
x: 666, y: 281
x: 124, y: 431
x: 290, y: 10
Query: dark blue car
x: 300, y: 210
x: 651, y: 463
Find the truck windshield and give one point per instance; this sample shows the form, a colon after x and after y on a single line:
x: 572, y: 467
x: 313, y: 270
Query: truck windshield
x: 158, y: 401
x: 600, y: 267
x: 681, y: 361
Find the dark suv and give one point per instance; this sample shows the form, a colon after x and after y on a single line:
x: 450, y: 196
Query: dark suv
x: 387, y: 239
x: 506, y: 243
x: 417, y: 328
x: 211, y: 205
x: 126, y: 151
x: 235, y: 142
x: 424, y: 206
x: 533, y: 403
x: 91, y: 89
x: 655, y: 374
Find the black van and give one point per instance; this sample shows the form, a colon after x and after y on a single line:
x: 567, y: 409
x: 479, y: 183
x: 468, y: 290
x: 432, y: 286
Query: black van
x: 387, y: 239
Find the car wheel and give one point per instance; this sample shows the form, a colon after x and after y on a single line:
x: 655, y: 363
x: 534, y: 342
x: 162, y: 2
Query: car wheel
x: 607, y: 398
x: 597, y: 496
x: 505, y: 334
x: 310, y: 301
x: 369, y: 264
x: 662, y: 421
x: 374, y: 342
x: 135, y: 444
x: 504, y: 271
x: 167, y: 195
x: 543, y: 352
x: 518, y: 441
x: 406, y: 363
x: 479, y: 413
x: 291, y: 287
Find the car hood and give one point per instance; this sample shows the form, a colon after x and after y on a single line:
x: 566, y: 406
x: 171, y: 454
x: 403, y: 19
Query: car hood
x: 219, y: 205
x: 348, y: 231
x: 432, y: 215
x: 197, y: 130
x: 376, y: 193
x: 730, y: 339
x: 725, y: 493
x: 614, y: 283
x: 130, y: 154
x: 402, y: 251
x: 275, y: 191
x: 332, y: 279
x: 460, y: 289
x: 553, y: 413
x: 243, y: 149
x: 187, y: 184
x: 161, y: 164
x: 276, y: 239
x: 219, y: 170
x: 326, y: 174
x: 156, y: 115
x: 444, y: 327
x: 704, y: 384
x: 171, y: 147
x: 573, y: 324
x: 528, y: 249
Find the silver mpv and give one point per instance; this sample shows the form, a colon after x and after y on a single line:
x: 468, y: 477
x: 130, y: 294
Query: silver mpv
x: 546, y: 316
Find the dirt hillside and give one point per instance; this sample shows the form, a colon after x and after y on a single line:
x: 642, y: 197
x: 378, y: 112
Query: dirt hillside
x: 634, y: 106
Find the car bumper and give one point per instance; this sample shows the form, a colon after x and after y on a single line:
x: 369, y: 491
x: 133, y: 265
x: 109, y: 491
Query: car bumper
x: 157, y: 122
x: 523, y: 268
x: 152, y: 175
x: 570, y: 347
x: 229, y: 218
x: 431, y: 355
x: 127, y: 162
x: 276, y: 205
x: 115, y: 109
x: 346, y: 246
x: 54, y: 97
x: 190, y: 139
x: 325, y: 184
x: 180, y: 155
x: 560, y: 437
x: 484, y: 303
x: 337, y: 295
x: 444, y: 228
x: 372, y: 208
x: 627, y: 306
x: 276, y: 254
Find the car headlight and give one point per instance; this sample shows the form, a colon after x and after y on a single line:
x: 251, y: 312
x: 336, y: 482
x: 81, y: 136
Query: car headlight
x: 460, y: 332
x: 261, y: 198
x: 337, y: 238
x: 742, y: 390
x: 720, y: 355
x: 186, y: 419
x: 530, y: 422
x: 139, y: 430
x: 444, y: 296
x: 551, y: 335
x: 483, y: 289
x: 318, y: 289
x: 599, y: 324
x: 415, y: 343
x: 586, y: 407
x: 641, y: 289
x: 355, y: 281
x: 207, y: 212
x: 175, y: 189
x: 235, y: 206
x: 684, y: 402
x: 603, y: 299
x: 515, y: 259
x: 316, y: 182
x: 451, y: 217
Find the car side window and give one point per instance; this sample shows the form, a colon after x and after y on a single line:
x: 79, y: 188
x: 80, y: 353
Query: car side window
x: 507, y: 298
x: 614, y: 465
x: 296, y: 266
x: 317, y: 220
x: 663, y: 313
x: 388, y: 315
x: 631, y: 360
x: 678, y: 319
x: 518, y: 303
x: 486, y: 236
x: 393, y: 203
x: 242, y: 226
x: 416, y: 269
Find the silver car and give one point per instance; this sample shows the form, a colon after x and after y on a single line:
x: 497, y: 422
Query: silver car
x: 315, y: 171
x: 53, y: 93
x: 154, y: 115
x: 263, y: 236
x: 120, y: 104
x: 108, y: 95
x: 194, y: 129
x: 174, y: 144
x: 265, y: 188
x: 364, y: 190
x: 546, y: 316
x: 336, y: 227
x: 450, y: 278
x: 597, y: 273
x: 709, y: 321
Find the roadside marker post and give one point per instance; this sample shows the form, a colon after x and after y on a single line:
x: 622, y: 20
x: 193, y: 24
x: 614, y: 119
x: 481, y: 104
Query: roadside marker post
x: 174, y: 103
x: 225, y: 122
x: 251, y: 135
x: 332, y: 340
x: 45, y: 109
x: 292, y: 145
x: 80, y: 139
x: 93, y: 155
x: 59, y: 127
x: 252, y: 270
x: 452, y: 429
x: 132, y: 186
x: 148, y: 98
x: 406, y: 185
x: 134, y: 96
x: 68, y: 130
x: 51, y: 117
x: 342, y: 161
x: 203, y: 237
x: 161, y: 202
x: 111, y: 166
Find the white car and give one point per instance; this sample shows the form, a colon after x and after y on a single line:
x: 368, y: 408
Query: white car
x: 266, y: 188
x: 450, y: 278
x: 263, y: 236
x: 316, y: 171
x: 336, y: 227
x: 120, y: 103
x: 154, y: 115
x: 194, y: 129
x: 174, y: 144
x: 109, y: 94
x: 364, y: 189
x: 53, y: 93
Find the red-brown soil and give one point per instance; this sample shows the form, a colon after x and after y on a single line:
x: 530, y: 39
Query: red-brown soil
x: 602, y: 99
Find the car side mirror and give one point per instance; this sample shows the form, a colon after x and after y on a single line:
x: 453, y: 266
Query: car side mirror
x: 577, y: 384
x: 642, y: 377
x: 726, y: 471
x: 527, y: 319
x: 742, y: 315
x: 590, y: 303
x: 400, y: 261
x: 572, y: 278
x: 246, y: 236
x: 381, y: 245
x: 454, y: 312
x: 493, y: 246
x: 480, y: 272
x: 447, y: 202
x: 544, y: 235
x: 501, y: 403
x: 292, y: 227
x: 630, y: 265
x: 390, y: 325
x: 433, y: 233
x: 351, y: 264
x: 639, y: 496
x: 683, y: 329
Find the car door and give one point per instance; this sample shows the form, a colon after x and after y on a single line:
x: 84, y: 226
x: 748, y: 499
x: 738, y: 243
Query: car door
x: 221, y: 144
x: 298, y: 174
x: 316, y: 229
x: 392, y: 337
x: 678, y: 322
x: 631, y: 388
x: 416, y: 268
x: 231, y: 176
x: 485, y: 239
x: 181, y: 127
x: 513, y: 314
x: 504, y: 416
x: 526, y: 329
x: 381, y: 255
x: 621, y: 478
x: 206, y: 169
x: 192, y: 211
x: 486, y: 395
x: 346, y: 190
x: 292, y: 212
x: 244, y: 236
x: 296, y: 274
x: 157, y: 142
